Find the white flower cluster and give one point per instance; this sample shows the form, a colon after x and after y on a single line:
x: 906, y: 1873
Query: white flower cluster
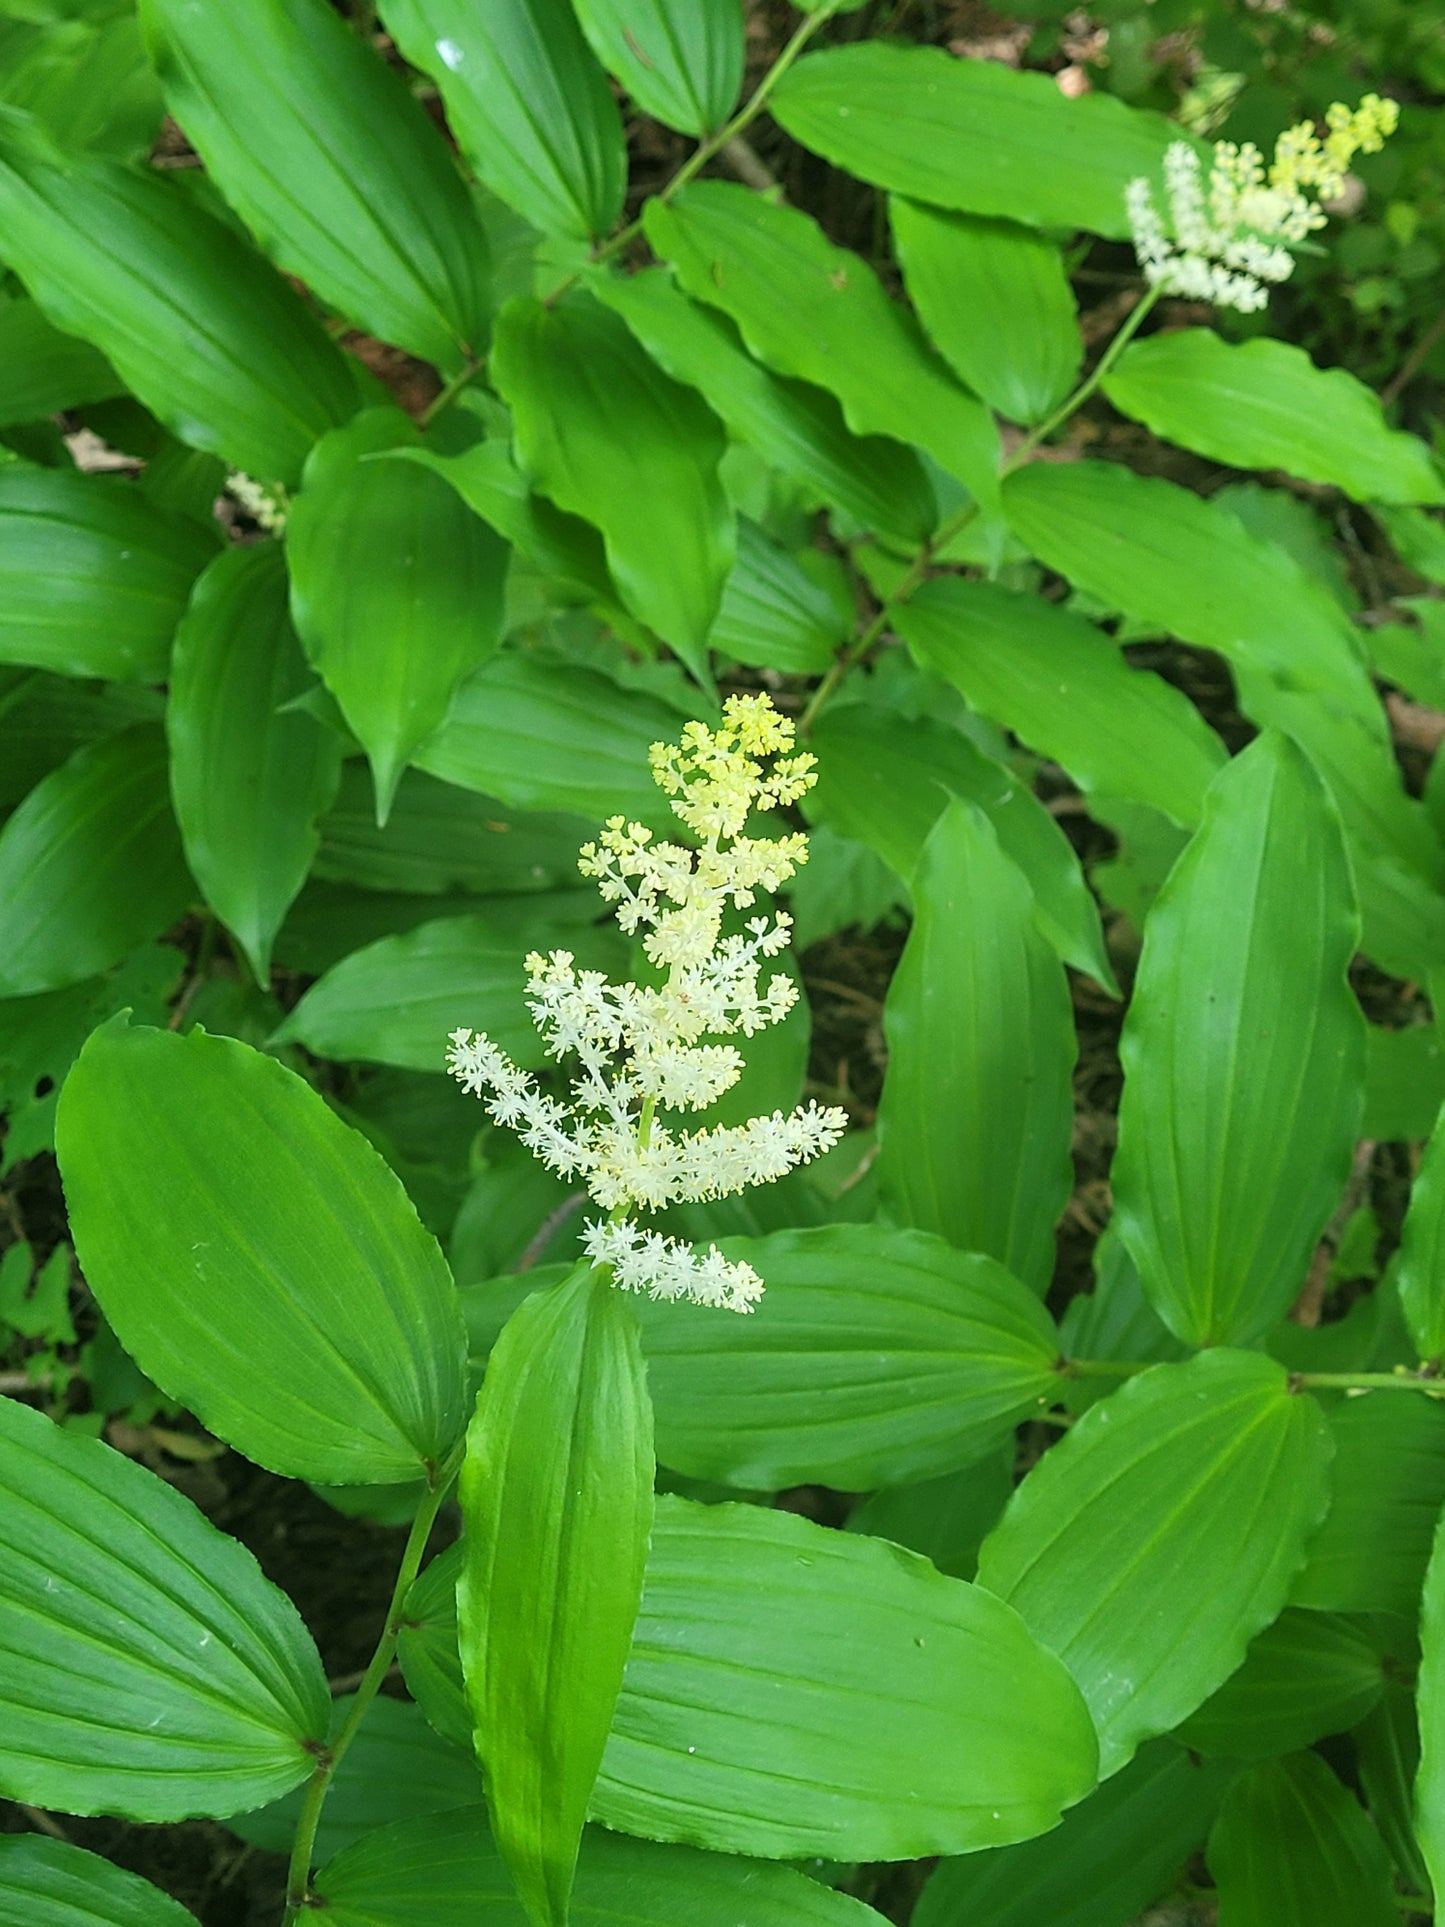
x: 641, y: 1048
x: 1228, y: 240
x: 265, y: 505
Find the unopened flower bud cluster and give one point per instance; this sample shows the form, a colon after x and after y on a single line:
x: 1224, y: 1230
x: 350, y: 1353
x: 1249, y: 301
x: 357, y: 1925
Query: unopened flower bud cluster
x: 1227, y: 240
x: 640, y: 1048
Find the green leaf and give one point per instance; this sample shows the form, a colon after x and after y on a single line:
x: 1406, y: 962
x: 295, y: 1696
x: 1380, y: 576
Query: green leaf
x: 1430, y: 1700
x: 530, y: 107
x: 277, y: 93
x: 1404, y: 1082
x: 90, y: 865
x: 250, y: 775
x: 1210, y: 1466
x: 395, y: 1001
x: 874, y: 1356
x: 946, y: 1519
x: 976, y: 1116
x: 48, y: 717
x: 1292, y: 1848
x: 43, y: 371
x: 1067, y: 691
x: 886, y: 779
x: 1243, y: 1054
x: 396, y: 588
x: 603, y: 432
x: 1388, y: 1483
x: 85, y: 81
x: 795, y: 1691
x: 93, y: 579
x: 149, y: 1669
x: 1264, y: 404
x: 972, y: 134
x: 680, y: 60
x: 817, y: 312
x: 447, y: 1868
x: 774, y: 613
x: 1418, y: 538
x: 548, y: 735
x: 996, y: 301
x: 258, y: 1260
x: 1307, y: 1675
x: 197, y: 325
x: 63, y: 1886
x: 795, y: 427
x: 440, y: 838
x: 1112, y: 1855
x: 556, y: 1497
x: 1387, y: 1751
x: 398, y: 1768
x: 1422, y: 1251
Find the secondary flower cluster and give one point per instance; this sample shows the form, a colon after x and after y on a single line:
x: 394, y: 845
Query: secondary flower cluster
x: 645, y: 1048
x: 1227, y: 240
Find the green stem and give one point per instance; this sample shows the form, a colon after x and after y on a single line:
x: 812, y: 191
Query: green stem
x: 1431, y: 1385
x: 449, y: 394
x: 701, y: 155
x: 298, y: 1882
x: 1081, y: 394
x: 1102, y: 1367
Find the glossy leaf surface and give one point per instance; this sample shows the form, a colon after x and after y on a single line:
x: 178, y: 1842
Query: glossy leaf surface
x: 51, y: 1881
x: 996, y: 302
x: 528, y: 103
x: 556, y: 1498
x: 1307, y: 1675
x: 396, y: 589
x: 92, y: 579
x: 1207, y: 1464
x: 149, y: 1669
x: 277, y: 93
x: 43, y: 370
x: 90, y: 865
x: 808, y: 309
x: 680, y: 60
x: 249, y: 775
x: 607, y: 435
x: 976, y: 1115
x: 258, y: 1260
x: 1292, y: 1848
x: 197, y: 325
x: 1264, y: 404
x: 774, y: 613
x: 1243, y: 1055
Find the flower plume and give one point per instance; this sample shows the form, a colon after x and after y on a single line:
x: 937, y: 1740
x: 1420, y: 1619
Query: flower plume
x: 644, y: 1049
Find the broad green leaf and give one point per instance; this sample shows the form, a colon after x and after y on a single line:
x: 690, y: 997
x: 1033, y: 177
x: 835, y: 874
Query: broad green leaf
x: 48, y: 717
x: 1067, y: 691
x: 996, y: 301
x: 1115, y: 1852
x: 149, y: 1669
x: 1422, y: 1251
x: 887, y: 779
x: 1430, y: 1700
x: 796, y: 1691
x: 794, y: 426
x: 1418, y: 538
x: 92, y: 579
x: 603, y: 432
x: 330, y: 920
x: 396, y: 589
x: 548, y: 735
x: 43, y: 371
x: 680, y: 60
x: 1114, y: 1320
x: 773, y: 613
x: 1264, y: 404
x: 530, y: 107
x: 817, y: 312
x: 1387, y: 1751
x: 90, y: 865
x: 201, y: 329
x: 447, y: 1868
x: 275, y: 94
x: 440, y: 838
x: 976, y: 1116
x: 250, y: 775
x: 398, y: 1768
x: 258, y: 1260
x: 1404, y: 1082
x: 1388, y: 1483
x: 396, y: 1001
x: 83, y: 77
x: 1210, y: 1466
x: 1307, y: 1675
x: 874, y: 1357
x: 1292, y: 1848
x: 946, y: 1519
x: 972, y: 134
x: 1243, y: 1055
x: 63, y: 1886
x: 556, y: 1497
x: 1412, y: 654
